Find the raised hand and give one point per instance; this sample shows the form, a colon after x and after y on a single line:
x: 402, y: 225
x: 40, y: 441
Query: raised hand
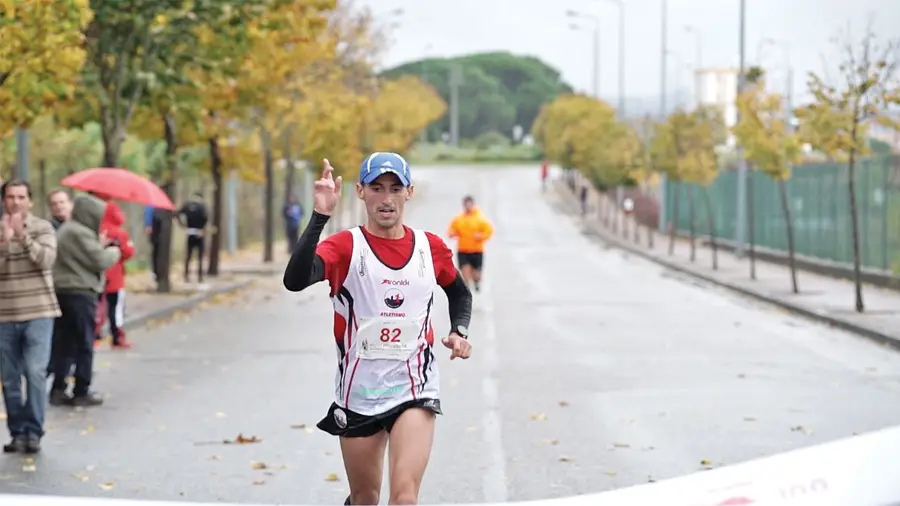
x: 326, y: 191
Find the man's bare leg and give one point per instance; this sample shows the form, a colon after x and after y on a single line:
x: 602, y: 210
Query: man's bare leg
x: 466, y: 271
x: 410, y: 449
x: 364, y: 463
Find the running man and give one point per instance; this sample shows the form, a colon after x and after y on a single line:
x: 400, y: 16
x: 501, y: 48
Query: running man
x: 383, y: 277
x: 471, y: 230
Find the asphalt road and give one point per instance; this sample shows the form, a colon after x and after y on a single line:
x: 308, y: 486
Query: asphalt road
x: 591, y: 371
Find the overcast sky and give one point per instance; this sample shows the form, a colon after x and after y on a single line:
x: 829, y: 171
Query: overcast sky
x: 541, y: 28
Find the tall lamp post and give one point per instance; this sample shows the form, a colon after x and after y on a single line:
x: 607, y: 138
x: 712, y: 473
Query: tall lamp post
x: 596, y: 58
x: 741, y: 225
x: 621, y: 6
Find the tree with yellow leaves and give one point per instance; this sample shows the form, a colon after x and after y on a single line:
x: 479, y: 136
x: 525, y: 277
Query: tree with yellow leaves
x: 703, y: 130
x: 837, y: 120
x: 668, y: 150
x: 401, y: 110
x: 772, y: 146
x: 41, y: 55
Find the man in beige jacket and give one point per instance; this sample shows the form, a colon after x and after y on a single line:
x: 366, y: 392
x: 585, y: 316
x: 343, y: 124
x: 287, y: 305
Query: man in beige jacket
x: 27, y: 311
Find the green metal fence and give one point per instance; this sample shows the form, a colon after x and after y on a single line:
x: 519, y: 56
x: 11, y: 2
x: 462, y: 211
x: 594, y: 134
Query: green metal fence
x: 820, y: 209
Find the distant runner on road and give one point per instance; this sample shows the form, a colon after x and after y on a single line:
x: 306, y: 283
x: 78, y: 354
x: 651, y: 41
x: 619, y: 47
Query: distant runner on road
x: 471, y: 230
x: 382, y: 276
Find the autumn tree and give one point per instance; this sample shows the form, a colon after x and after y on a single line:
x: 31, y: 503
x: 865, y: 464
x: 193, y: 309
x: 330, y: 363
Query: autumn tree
x: 703, y: 130
x: 402, y: 108
x: 667, y: 151
x: 772, y: 146
x: 841, y: 113
x: 41, y: 55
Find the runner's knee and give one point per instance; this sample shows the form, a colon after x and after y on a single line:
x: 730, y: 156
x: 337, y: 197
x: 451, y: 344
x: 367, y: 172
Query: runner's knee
x: 363, y: 497
x: 406, y: 495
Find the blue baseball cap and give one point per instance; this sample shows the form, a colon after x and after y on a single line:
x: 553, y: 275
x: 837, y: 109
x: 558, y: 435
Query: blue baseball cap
x: 377, y: 164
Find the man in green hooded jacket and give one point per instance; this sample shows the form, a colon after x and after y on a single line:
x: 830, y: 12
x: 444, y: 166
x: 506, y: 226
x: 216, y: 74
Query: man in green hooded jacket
x: 83, y: 255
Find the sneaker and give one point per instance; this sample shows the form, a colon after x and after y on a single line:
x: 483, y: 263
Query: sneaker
x: 88, y: 400
x: 60, y: 398
x: 17, y: 445
x: 122, y: 344
x: 478, y: 286
x: 33, y: 444
x: 347, y: 502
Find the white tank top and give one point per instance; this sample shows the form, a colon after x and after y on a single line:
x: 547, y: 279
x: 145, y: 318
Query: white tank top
x: 383, y: 330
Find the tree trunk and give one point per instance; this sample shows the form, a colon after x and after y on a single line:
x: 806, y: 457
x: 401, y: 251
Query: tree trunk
x: 290, y: 170
x: 215, y: 243
x: 751, y: 226
x: 269, y: 200
x: 851, y: 187
x: 786, y: 208
x: 112, y: 145
x: 691, y: 225
x: 164, y: 248
x: 42, y: 175
x: 711, y: 223
x: 673, y: 219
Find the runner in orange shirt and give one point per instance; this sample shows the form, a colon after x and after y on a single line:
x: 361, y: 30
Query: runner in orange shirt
x: 471, y: 230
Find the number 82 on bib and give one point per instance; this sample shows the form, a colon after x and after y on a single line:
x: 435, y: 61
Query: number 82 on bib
x: 388, y: 339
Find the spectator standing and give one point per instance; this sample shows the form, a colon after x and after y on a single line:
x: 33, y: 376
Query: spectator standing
x: 194, y: 217
x: 293, y: 215
x: 60, y: 207
x: 114, y: 294
x: 27, y: 309
x: 83, y: 255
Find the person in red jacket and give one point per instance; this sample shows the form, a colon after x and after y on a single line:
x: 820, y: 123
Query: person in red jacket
x: 112, y: 227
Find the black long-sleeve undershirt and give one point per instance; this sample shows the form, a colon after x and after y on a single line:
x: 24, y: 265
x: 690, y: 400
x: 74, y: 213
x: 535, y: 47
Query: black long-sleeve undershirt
x: 306, y: 268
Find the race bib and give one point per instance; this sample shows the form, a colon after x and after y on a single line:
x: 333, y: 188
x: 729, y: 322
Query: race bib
x: 387, y: 338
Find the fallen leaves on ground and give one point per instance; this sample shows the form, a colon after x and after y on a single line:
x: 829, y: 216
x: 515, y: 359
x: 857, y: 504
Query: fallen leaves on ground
x: 299, y: 426
x: 241, y: 439
x: 621, y: 445
x: 749, y: 419
x: 107, y: 486
x: 538, y: 417
x: 81, y: 477
x: 564, y: 459
x: 610, y: 473
x: 472, y: 429
x: 221, y: 415
x: 258, y: 465
x: 259, y: 482
x: 800, y: 428
x: 563, y: 404
x: 704, y: 462
x: 332, y: 477
x: 551, y: 442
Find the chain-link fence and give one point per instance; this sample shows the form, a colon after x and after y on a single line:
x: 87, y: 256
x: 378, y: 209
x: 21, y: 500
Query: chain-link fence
x: 820, y: 209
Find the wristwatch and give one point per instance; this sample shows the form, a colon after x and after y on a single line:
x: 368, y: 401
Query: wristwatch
x: 462, y: 331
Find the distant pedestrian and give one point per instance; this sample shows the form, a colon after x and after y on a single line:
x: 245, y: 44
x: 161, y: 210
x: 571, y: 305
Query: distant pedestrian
x: 84, y: 254
x: 584, y: 199
x: 293, y: 216
x: 194, y: 217
x: 27, y: 308
x: 151, y: 229
x: 114, y: 293
x: 60, y: 207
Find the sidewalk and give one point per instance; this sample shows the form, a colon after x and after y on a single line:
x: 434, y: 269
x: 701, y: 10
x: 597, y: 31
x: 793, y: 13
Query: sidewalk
x: 235, y: 272
x: 822, y: 298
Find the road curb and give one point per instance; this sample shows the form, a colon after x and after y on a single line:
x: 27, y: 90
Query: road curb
x: 188, y: 303
x: 609, y: 239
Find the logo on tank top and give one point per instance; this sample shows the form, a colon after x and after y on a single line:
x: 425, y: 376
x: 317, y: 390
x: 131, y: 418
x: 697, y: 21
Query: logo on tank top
x: 395, y: 282
x: 393, y: 298
x: 362, y: 262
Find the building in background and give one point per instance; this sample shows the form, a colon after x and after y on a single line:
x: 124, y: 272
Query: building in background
x: 718, y: 87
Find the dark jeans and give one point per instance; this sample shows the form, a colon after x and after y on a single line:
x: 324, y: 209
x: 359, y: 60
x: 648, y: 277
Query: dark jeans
x: 154, y: 256
x: 73, y: 336
x: 194, y: 243
x: 24, y: 351
x: 293, y: 236
x: 115, y: 313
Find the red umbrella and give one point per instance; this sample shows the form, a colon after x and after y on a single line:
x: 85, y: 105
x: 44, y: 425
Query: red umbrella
x: 119, y: 184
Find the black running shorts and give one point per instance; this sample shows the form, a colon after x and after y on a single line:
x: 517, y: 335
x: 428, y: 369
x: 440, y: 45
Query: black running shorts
x: 473, y: 259
x: 345, y: 423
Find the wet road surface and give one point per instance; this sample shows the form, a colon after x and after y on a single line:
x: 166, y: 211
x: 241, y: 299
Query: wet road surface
x: 591, y: 371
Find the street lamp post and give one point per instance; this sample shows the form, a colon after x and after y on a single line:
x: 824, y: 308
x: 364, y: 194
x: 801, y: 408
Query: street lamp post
x: 663, y: 180
x: 789, y: 79
x: 596, y: 66
x: 741, y: 225
x: 621, y: 6
x: 698, y: 41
